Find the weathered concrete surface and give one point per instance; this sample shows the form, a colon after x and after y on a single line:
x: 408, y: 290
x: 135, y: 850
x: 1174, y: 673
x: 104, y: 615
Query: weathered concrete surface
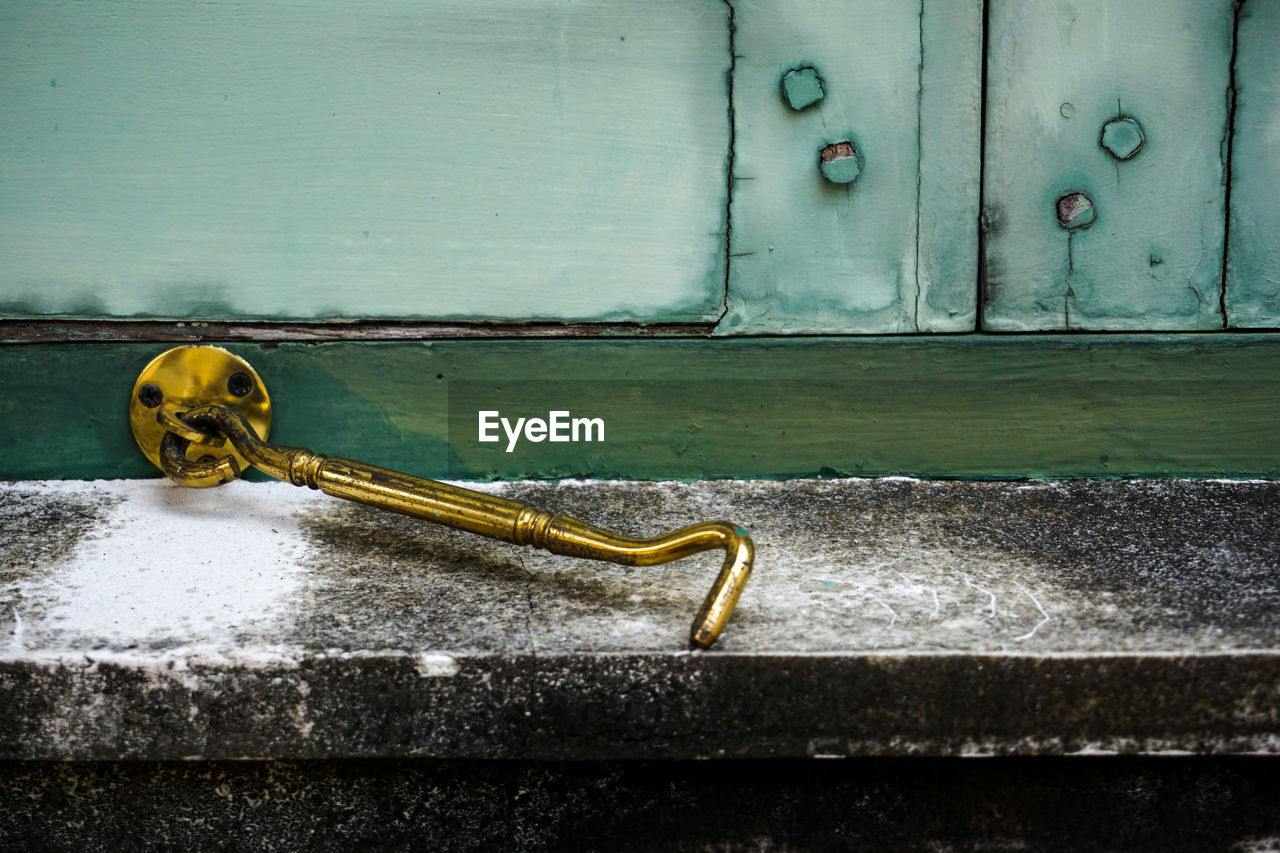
x: 1126, y: 804
x: 142, y: 620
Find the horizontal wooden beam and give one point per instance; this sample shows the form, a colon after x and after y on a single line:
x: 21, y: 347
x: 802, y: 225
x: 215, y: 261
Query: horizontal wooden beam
x: 196, y: 332
x: 960, y: 406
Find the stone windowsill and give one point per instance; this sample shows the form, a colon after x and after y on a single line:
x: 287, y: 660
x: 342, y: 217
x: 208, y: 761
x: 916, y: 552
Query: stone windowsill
x: 142, y: 620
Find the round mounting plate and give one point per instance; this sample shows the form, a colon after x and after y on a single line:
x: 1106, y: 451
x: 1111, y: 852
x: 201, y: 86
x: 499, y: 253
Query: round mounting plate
x: 186, y: 377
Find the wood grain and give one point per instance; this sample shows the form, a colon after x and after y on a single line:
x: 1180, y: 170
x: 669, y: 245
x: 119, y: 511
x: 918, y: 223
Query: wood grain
x: 1057, y: 72
x: 71, y: 331
x: 894, y: 251
x: 504, y: 159
x: 957, y: 406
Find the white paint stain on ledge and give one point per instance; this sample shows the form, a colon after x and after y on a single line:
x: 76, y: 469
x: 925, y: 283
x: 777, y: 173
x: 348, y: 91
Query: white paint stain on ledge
x: 176, y: 565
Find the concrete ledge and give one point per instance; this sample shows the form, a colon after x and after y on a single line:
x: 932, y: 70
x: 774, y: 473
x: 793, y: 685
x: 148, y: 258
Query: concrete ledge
x: 886, y: 617
x: 1068, y: 805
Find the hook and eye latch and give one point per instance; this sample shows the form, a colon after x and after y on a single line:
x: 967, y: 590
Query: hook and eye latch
x: 176, y: 449
x: 210, y: 424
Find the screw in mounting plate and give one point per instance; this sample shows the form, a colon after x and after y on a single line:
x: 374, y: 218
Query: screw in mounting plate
x: 240, y: 385
x: 150, y: 395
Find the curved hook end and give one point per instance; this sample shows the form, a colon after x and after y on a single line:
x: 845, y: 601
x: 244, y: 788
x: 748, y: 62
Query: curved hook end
x: 209, y: 471
x: 720, y: 601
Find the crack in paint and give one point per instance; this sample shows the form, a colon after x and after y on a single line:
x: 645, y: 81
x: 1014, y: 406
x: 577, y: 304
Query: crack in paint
x: 915, y: 314
x: 1226, y: 154
x: 729, y: 178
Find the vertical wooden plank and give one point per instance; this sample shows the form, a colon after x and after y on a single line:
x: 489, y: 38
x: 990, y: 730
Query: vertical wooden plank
x: 498, y: 159
x: 1253, y: 270
x: 895, y: 249
x: 1082, y: 230
x: 950, y: 165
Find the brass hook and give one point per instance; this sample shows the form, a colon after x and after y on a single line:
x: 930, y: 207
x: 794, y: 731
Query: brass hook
x: 202, y: 428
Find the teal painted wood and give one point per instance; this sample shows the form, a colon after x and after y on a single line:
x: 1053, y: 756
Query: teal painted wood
x: 935, y: 406
x: 946, y: 297
x: 1058, y: 71
x: 518, y: 159
x: 896, y: 249
x: 1253, y: 271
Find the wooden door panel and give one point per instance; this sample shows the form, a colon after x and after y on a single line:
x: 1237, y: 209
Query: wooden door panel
x: 895, y: 250
x: 1106, y: 143
x: 508, y: 159
x: 1253, y: 270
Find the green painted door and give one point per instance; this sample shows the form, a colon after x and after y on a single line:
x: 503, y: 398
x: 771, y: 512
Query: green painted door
x: 792, y: 187
x: 504, y: 159
x: 517, y: 161
x: 1105, y: 164
x: 882, y: 236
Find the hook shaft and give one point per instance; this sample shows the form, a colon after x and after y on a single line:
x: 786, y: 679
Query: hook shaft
x: 464, y: 509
